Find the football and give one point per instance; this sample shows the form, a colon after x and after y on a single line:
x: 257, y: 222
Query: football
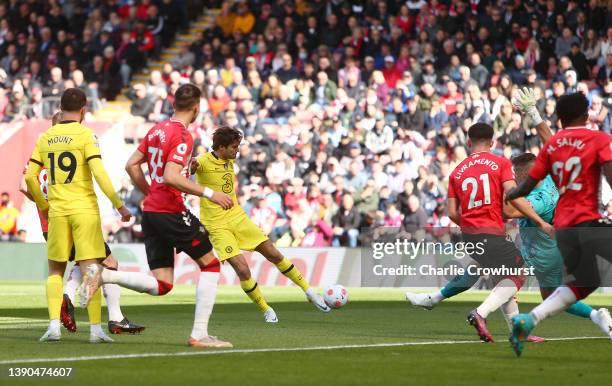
x: 336, y: 296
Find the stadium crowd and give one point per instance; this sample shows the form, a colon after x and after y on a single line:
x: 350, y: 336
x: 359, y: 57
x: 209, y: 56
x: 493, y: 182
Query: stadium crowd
x: 354, y: 113
x: 96, y: 45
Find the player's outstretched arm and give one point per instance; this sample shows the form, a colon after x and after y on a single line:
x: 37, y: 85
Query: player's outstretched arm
x: 544, y: 132
x: 134, y: 170
x: 174, y: 178
x: 522, y: 190
x: 525, y: 102
x: 523, y: 206
x: 511, y: 212
x: 99, y: 173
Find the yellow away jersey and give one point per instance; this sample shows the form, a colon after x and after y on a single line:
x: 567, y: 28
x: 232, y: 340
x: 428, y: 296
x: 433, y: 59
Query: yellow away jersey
x: 218, y: 175
x: 64, y: 151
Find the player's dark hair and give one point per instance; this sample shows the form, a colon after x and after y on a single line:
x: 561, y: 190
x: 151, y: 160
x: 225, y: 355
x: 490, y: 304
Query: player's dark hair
x: 523, y: 161
x: 480, y: 132
x: 571, y: 108
x: 73, y: 100
x: 186, y: 97
x: 225, y: 136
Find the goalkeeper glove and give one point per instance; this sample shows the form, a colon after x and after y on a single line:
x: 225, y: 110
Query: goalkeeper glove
x: 525, y: 101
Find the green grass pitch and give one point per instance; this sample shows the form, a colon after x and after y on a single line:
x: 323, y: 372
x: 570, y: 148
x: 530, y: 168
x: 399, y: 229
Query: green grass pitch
x: 434, y: 348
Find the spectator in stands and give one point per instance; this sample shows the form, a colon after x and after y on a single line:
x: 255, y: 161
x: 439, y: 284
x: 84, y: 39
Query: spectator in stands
x: 142, y: 104
x: 8, y: 218
x: 605, y: 72
x: 225, y: 19
x: 415, y: 218
x: 55, y: 85
x: 346, y: 224
x: 564, y: 42
x: 287, y: 71
x: 243, y: 21
x: 17, y: 107
x: 185, y: 58
x: 263, y: 216
x: 326, y: 93
x: 478, y: 72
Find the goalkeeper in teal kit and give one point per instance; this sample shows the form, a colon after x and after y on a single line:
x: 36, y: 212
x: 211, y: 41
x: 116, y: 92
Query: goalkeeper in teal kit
x: 538, y: 251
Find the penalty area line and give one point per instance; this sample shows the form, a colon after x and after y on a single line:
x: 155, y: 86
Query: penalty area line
x: 260, y: 350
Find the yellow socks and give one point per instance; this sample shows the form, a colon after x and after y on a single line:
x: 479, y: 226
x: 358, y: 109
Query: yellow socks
x: 252, y: 290
x: 94, y: 309
x: 55, y: 294
x: 288, y: 269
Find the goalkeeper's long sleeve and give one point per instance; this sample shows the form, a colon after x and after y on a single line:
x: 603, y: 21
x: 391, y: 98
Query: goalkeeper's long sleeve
x: 97, y: 169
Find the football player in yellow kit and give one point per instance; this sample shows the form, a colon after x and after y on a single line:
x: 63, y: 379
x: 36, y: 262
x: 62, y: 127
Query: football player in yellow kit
x: 71, y: 154
x: 117, y: 322
x: 232, y: 231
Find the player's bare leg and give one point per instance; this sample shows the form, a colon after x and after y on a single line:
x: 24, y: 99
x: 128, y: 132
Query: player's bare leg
x: 284, y: 265
x: 251, y: 288
x: 54, y: 300
x: 206, y: 293
x: 157, y: 285
x: 117, y: 322
x: 91, y: 298
x: 91, y: 270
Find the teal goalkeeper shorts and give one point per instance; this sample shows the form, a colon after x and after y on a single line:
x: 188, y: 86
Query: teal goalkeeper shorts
x: 538, y: 250
x: 548, y: 269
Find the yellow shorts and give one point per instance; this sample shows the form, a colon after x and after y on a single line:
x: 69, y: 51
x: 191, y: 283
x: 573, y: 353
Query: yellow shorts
x: 84, y: 231
x: 234, y: 235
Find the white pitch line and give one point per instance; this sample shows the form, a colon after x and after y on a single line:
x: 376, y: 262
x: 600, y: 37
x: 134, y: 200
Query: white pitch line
x: 260, y: 350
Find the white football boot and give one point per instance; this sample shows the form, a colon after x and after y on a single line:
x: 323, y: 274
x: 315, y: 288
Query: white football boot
x: 420, y: 300
x: 52, y: 335
x: 317, y: 300
x: 603, y: 320
x: 270, y: 316
x: 99, y: 337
